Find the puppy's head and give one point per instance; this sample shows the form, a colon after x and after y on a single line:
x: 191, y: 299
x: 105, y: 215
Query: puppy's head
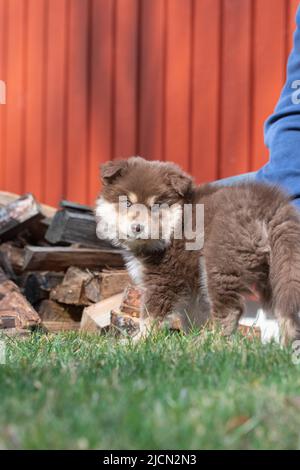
x: 141, y: 202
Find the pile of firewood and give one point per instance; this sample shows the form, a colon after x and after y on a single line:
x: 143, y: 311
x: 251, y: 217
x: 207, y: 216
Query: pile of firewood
x: 55, y: 274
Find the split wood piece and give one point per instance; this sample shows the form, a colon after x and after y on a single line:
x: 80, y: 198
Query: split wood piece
x: 112, y: 281
x: 56, y: 317
x: 37, y: 285
x: 71, y: 290
x: 75, y: 224
x: 60, y: 258
x: 132, y: 301
x: 7, y: 197
x: 18, y: 215
x: 12, y: 332
x: 83, y: 287
x: 15, y: 310
x: 98, y: 316
x: 13, y: 255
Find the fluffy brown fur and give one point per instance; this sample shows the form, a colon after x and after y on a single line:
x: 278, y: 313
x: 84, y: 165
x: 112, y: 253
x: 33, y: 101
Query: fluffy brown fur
x: 251, y: 243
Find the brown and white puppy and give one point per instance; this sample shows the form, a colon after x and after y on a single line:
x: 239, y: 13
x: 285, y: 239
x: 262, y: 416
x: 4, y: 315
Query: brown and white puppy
x: 251, y: 243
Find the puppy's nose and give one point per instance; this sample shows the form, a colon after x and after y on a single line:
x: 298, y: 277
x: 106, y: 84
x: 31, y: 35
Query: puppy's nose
x: 137, y: 228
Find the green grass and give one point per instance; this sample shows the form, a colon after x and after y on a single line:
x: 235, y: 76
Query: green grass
x: 170, y: 391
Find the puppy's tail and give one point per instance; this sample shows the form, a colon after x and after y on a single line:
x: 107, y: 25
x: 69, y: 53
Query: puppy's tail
x: 284, y: 270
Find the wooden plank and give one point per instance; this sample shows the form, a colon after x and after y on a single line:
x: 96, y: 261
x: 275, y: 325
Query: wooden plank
x: 205, y: 87
x: 60, y: 258
x: 177, y: 88
x: 76, y: 178
x: 15, y: 106
x: 125, y: 79
x: 35, y: 97
x: 100, y: 91
x: 70, y: 226
x: 235, y: 92
x: 55, y: 102
x: 268, y: 68
x: 151, y: 100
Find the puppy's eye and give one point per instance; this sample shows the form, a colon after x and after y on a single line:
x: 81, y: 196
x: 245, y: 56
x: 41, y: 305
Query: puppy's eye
x: 128, y: 203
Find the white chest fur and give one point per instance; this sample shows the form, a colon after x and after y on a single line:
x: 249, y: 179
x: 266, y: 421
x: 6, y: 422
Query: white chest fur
x: 135, y: 269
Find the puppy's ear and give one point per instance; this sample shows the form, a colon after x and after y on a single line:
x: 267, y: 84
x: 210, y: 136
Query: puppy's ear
x: 182, y: 183
x: 111, y: 170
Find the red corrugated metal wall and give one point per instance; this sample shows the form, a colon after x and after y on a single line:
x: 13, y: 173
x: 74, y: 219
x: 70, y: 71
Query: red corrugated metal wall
x: 90, y: 80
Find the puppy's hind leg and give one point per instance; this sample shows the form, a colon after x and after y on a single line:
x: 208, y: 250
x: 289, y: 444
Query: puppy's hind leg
x: 289, y: 328
x: 227, y: 305
x: 284, y: 275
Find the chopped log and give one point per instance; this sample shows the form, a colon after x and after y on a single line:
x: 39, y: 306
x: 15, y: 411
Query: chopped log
x: 70, y: 291
x: 13, y: 256
x: 60, y: 258
x: 7, y: 197
x: 6, y: 266
x: 18, y: 215
x: 75, y: 226
x: 56, y: 317
x: 112, y: 282
x: 84, y: 287
x: 98, y: 316
x: 38, y: 285
x: 13, y: 305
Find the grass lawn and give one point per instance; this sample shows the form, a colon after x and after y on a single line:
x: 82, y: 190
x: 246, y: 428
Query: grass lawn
x: 170, y: 391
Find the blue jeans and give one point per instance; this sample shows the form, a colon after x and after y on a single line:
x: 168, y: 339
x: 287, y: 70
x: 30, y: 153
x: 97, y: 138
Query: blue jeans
x: 248, y: 177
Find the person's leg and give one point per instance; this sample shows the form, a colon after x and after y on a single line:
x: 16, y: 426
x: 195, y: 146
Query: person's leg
x: 243, y: 178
